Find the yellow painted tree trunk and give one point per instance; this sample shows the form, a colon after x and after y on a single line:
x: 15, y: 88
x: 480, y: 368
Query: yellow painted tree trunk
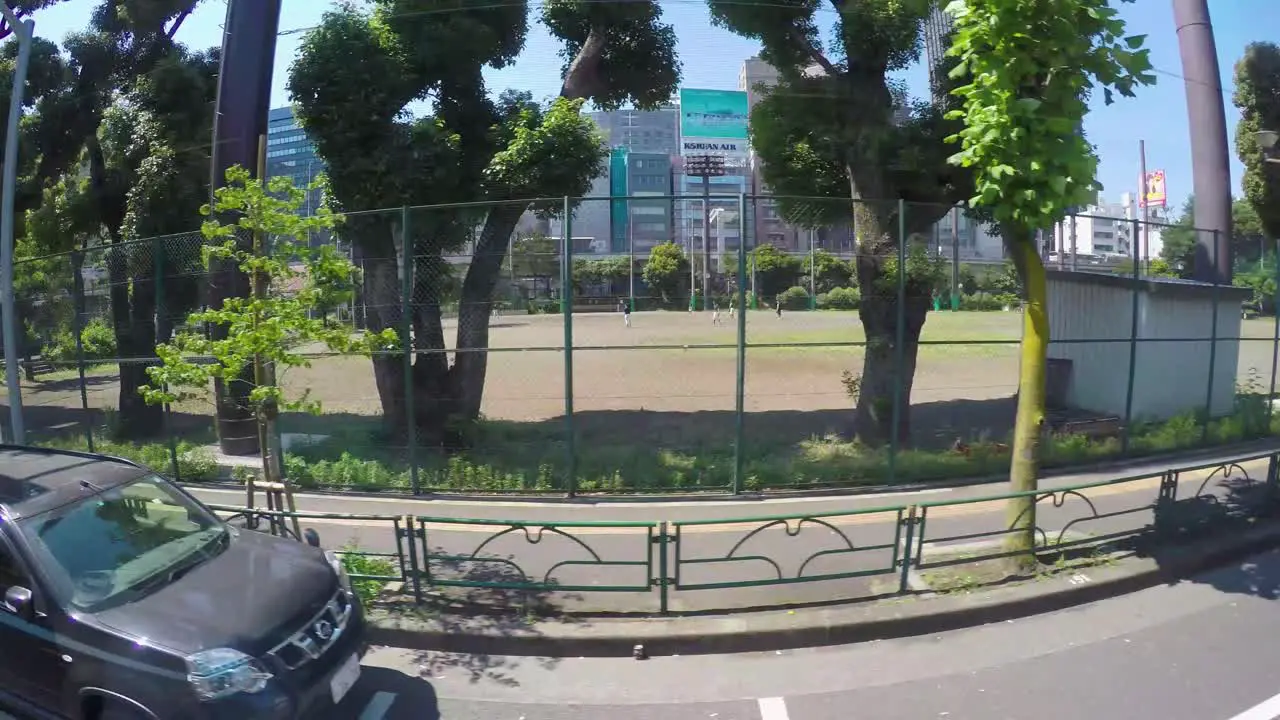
x: 1028, y: 428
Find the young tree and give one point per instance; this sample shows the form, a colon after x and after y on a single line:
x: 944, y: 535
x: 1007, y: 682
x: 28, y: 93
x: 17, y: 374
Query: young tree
x: 1030, y: 67
x: 666, y: 271
x: 839, y: 126
x: 775, y: 270
x: 1257, y: 95
x: 291, y: 280
x: 828, y: 271
x: 355, y: 74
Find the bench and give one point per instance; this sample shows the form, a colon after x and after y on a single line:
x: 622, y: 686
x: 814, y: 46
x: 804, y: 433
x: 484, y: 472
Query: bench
x: 1091, y: 428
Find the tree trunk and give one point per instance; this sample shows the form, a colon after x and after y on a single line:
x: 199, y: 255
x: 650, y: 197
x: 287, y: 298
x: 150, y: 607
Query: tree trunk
x: 139, y: 419
x: 883, y: 379
x: 383, y: 309
x: 476, y: 309
x: 1028, y: 427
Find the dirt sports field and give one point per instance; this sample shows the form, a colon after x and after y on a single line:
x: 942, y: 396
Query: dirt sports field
x: 645, y: 371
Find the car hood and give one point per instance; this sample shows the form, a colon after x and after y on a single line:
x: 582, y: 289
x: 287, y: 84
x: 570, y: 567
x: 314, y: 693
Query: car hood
x: 249, y: 598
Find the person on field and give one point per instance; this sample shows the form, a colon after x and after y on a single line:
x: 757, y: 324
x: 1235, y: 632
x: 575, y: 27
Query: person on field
x: 625, y: 307
x: 715, y: 313
x: 777, y: 304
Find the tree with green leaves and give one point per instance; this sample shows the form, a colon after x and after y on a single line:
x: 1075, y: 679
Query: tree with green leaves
x: 1029, y: 67
x: 666, y: 272
x: 536, y: 257
x: 292, y: 280
x: 355, y: 75
x: 828, y: 271
x: 119, y: 131
x: 775, y: 270
x: 1257, y: 95
x: 1178, y: 240
x: 840, y: 129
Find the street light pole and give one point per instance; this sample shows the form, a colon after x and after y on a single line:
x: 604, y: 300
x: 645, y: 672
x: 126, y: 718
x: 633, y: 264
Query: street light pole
x: 25, y: 30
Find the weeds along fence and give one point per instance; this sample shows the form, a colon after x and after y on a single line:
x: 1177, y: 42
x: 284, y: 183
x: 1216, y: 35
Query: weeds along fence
x: 750, y: 562
x: 662, y: 344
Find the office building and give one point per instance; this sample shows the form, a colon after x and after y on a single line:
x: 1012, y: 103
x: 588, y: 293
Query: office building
x: 291, y: 153
x: 647, y: 131
x: 937, y: 29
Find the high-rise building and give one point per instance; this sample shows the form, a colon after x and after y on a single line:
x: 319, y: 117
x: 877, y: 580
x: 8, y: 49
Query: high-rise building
x: 757, y: 78
x: 649, y: 131
x: 937, y: 27
x: 290, y: 152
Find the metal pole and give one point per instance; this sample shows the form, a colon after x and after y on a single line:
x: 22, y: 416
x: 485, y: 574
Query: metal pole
x: 1142, y: 205
x: 706, y: 230
x: 955, y: 259
x: 1213, y: 348
x: 1133, y: 349
x: 1074, y: 264
x: 813, y: 271
x: 899, y: 332
x: 740, y: 385
x: 24, y: 31
x: 406, y: 311
x: 77, y: 326
x: 1275, y: 343
x: 566, y: 283
x: 631, y: 252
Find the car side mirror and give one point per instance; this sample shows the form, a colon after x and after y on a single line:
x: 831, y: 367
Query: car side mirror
x: 17, y: 600
x: 311, y: 537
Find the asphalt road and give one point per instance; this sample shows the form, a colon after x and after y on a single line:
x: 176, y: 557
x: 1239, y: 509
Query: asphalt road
x: 1203, y: 649
x: 730, y: 551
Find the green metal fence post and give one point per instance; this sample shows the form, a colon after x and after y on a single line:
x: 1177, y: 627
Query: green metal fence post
x: 566, y: 305
x: 908, y: 553
x: 77, y: 327
x: 408, y: 262
x: 664, y: 582
x: 899, y: 333
x: 740, y: 383
x: 161, y: 320
x: 1133, y: 347
x: 1275, y: 342
x: 1213, y: 349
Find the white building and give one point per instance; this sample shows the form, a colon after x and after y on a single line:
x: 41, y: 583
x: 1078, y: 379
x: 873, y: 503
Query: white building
x: 1107, y: 232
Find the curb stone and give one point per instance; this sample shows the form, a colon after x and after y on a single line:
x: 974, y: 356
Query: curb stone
x: 890, y: 618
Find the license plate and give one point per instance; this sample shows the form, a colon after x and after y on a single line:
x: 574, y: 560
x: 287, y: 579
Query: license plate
x: 344, y: 678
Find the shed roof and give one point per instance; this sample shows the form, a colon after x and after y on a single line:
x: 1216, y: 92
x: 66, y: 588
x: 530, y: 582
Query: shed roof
x: 1167, y: 287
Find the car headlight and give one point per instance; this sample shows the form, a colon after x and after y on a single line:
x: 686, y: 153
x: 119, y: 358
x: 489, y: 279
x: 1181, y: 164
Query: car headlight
x: 220, y: 672
x: 344, y: 580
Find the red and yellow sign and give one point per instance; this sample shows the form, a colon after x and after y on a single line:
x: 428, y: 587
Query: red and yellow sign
x: 1153, y: 190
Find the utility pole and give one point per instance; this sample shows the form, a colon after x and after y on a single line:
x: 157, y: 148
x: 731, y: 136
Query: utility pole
x: 1210, y: 161
x: 25, y: 31
x: 706, y: 167
x: 240, y: 119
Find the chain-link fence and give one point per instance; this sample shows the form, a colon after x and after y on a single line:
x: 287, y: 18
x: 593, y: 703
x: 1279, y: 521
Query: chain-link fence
x: 668, y: 344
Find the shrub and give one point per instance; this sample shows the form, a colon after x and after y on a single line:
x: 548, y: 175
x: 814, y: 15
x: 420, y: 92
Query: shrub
x: 795, y: 298
x: 97, y: 338
x: 841, y: 298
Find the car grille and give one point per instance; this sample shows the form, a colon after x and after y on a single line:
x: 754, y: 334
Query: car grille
x: 318, y: 635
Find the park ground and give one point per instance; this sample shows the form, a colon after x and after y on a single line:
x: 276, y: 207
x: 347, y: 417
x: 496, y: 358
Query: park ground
x: 659, y: 396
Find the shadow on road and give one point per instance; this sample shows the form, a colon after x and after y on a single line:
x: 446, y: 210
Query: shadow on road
x: 415, y: 697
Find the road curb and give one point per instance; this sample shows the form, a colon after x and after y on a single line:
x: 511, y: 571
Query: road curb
x: 894, y: 617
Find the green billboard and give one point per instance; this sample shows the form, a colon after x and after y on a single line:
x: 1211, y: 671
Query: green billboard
x: 713, y: 114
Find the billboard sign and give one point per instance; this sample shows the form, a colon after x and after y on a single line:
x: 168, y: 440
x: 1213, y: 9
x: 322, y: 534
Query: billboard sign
x: 1154, y: 193
x: 719, y: 114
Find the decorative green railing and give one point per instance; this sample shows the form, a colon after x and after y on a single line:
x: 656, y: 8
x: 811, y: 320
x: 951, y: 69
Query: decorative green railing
x: 703, y: 565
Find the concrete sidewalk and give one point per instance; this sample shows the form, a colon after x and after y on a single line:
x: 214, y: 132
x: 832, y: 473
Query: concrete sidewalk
x: 746, y: 555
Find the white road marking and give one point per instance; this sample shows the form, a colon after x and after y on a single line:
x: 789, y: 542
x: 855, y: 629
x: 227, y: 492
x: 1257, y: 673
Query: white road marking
x: 378, y: 706
x: 1268, y: 709
x: 773, y: 709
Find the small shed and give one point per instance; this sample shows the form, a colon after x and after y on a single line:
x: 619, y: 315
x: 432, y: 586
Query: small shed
x: 1093, y: 314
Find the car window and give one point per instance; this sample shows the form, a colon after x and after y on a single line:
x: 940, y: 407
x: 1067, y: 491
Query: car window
x: 10, y: 571
x: 113, y: 544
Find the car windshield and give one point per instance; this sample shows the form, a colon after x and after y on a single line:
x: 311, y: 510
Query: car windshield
x: 124, y: 542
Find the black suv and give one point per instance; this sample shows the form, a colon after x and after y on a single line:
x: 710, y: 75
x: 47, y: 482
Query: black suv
x: 125, y: 597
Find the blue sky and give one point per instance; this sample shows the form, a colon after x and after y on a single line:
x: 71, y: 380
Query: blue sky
x: 712, y: 56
